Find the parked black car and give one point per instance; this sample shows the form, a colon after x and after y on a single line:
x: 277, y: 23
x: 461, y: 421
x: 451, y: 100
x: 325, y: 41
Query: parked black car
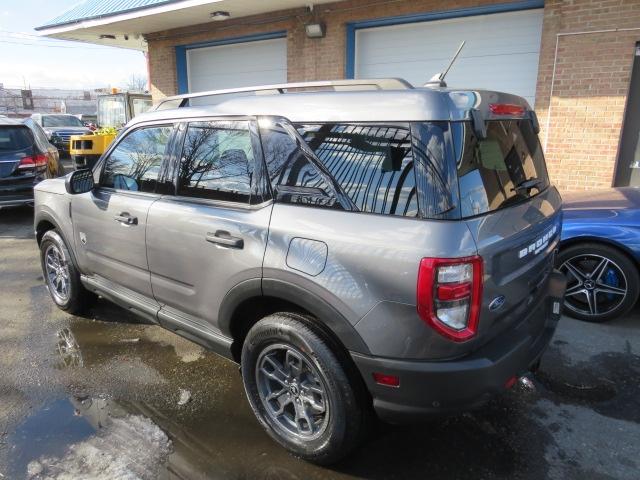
x: 26, y: 158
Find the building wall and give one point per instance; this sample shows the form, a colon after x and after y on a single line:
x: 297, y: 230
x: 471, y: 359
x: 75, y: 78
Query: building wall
x: 581, y: 129
x: 590, y: 88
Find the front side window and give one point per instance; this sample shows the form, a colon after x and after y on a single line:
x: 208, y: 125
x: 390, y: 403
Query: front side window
x: 217, y: 161
x: 135, y: 162
x: 503, y: 169
x: 373, y: 164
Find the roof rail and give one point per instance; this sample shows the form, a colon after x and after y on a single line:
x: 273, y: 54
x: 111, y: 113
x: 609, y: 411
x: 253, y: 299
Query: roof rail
x: 178, y: 101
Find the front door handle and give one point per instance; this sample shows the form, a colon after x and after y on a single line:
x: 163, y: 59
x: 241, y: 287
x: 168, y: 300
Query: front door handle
x: 222, y: 237
x: 126, y: 219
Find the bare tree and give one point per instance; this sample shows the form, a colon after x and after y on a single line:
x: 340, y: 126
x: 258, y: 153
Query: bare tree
x: 137, y: 83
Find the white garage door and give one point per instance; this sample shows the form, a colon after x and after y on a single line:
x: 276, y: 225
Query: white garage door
x: 501, y: 52
x: 237, y: 65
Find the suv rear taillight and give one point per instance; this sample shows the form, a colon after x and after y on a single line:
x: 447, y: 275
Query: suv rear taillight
x: 33, y: 161
x: 450, y: 295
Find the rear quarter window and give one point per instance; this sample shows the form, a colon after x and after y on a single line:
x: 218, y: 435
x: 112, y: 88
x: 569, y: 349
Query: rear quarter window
x: 15, y: 138
x: 373, y: 164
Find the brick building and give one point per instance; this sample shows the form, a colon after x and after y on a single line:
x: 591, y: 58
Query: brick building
x: 572, y: 59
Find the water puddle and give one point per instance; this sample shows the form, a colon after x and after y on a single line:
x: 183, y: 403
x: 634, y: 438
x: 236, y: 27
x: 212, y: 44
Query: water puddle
x: 47, y: 432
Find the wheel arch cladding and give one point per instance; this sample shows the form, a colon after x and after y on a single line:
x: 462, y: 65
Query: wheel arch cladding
x: 252, y: 300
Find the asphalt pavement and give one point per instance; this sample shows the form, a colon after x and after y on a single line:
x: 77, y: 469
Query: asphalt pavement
x: 105, y: 396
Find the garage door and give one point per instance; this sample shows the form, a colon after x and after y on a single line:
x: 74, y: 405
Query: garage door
x: 501, y: 52
x: 237, y: 65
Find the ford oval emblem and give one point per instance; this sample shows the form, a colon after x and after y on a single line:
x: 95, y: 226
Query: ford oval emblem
x: 496, y: 303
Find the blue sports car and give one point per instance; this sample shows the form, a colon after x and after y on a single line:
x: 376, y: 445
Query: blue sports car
x: 600, y: 252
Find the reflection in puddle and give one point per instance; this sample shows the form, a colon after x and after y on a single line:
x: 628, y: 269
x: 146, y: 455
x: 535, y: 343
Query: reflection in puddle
x: 68, y: 349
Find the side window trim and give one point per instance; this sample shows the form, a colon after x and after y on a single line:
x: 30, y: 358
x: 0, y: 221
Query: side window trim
x: 100, y: 166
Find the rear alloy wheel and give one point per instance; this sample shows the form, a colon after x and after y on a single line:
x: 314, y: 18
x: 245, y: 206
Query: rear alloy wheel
x: 602, y: 283
x: 302, y: 390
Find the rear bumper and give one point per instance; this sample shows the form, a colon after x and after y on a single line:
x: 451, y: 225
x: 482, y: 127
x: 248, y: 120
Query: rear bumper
x: 438, y: 387
x: 16, y: 194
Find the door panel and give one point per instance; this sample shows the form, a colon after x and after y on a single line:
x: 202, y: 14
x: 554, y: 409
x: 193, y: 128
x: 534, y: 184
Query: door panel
x: 110, y: 221
x: 209, y: 237
x: 192, y: 256
x: 110, y: 248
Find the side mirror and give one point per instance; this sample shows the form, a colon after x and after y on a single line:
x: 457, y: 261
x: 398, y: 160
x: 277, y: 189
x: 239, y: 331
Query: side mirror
x: 80, y: 181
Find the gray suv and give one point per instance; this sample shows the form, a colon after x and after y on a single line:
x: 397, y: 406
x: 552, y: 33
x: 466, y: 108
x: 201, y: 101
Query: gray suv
x: 358, y: 246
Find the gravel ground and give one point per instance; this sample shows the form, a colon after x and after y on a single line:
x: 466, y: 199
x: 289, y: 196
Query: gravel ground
x: 104, y: 396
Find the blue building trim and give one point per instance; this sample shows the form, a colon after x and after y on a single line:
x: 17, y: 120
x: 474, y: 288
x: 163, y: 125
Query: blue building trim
x: 181, y: 53
x: 426, y: 17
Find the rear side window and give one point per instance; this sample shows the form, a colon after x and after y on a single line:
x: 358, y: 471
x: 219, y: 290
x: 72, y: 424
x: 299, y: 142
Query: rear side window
x: 373, y: 164
x: 15, y: 138
x: 294, y: 176
x: 505, y: 168
x: 217, y: 161
x: 135, y: 162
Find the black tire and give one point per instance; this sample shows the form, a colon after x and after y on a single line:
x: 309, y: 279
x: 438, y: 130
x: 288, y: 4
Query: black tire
x: 346, y: 416
x: 622, y: 267
x: 78, y: 298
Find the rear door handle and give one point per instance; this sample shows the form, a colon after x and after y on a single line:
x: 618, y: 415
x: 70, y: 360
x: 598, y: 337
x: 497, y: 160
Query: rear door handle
x: 125, y: 218
x: 222, y: 237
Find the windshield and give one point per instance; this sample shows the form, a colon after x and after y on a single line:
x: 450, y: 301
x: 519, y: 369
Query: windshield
x: 61, y: 121
x: 505, y: 168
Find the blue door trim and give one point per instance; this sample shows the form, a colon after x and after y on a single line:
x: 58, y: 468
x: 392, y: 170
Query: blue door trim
x: 181, y: 53
x: 426, y: 17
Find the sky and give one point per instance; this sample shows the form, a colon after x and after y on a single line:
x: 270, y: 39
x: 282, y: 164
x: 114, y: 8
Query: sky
x: 26, y: 60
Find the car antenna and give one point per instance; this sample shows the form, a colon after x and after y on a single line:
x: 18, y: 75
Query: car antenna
x: 438, y: 79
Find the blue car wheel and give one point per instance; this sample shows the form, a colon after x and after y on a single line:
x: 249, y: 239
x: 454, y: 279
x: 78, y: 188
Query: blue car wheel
x: 602, y: 282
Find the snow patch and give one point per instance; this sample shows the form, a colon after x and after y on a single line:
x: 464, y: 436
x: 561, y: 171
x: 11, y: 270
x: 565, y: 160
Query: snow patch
x: 128, y: 448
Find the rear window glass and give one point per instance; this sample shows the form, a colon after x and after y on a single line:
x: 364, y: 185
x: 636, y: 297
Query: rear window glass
x: 15, y: 138
x: 373, y: 164
x: 505, y: 168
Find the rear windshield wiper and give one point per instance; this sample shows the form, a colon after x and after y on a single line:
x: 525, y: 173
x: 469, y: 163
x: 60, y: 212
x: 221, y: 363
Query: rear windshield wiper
x: 527, y: 185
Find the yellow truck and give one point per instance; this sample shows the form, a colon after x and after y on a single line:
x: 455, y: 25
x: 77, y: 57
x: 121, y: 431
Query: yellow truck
x: 114, y: 111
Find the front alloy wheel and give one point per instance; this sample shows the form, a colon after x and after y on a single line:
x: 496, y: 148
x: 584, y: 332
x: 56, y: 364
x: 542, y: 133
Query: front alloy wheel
x: 57, y: 274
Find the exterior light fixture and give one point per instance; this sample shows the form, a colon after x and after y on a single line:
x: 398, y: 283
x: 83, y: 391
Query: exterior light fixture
x: 315, y: 30
x: 105, y: 36
x: 219, y: 15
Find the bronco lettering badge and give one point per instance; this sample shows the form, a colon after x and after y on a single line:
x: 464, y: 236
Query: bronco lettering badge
x: 539, y: 245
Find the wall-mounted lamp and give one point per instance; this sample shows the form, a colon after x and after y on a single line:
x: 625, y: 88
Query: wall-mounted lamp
x: 315, y: 30
x: 219, y: 15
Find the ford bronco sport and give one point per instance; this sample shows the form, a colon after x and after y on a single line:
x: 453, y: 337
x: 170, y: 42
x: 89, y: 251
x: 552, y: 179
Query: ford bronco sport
x: 357, y: 246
